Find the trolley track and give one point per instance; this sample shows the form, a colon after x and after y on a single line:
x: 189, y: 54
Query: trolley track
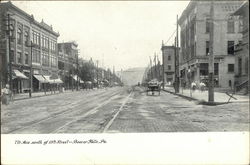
x: 68, y: 111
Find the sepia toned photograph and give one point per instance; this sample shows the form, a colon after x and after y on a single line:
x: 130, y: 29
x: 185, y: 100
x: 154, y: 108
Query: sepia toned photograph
x: 112, y: 67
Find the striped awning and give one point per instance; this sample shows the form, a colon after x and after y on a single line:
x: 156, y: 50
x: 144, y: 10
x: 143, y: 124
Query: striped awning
x: 19, y: 74
x: 40, y: 78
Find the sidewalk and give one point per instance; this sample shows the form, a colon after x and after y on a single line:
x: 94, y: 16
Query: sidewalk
x: 219, y: 97
x: 22, y: 96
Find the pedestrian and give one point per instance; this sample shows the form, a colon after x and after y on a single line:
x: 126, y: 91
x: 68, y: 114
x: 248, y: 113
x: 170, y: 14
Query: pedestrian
x: 193, y: 86
x: 202, y: 86
x: 6, y: 94
x: 184, y: 84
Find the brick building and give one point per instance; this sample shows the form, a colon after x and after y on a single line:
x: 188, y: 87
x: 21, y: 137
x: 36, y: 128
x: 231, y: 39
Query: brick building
x: 194, y: 41
x: 168, y: 54
x: 24, y: 28
x: 242, y: 50
x: 67, y: 62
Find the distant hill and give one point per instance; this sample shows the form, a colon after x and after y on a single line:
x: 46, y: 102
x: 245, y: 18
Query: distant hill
x: 132, y: 76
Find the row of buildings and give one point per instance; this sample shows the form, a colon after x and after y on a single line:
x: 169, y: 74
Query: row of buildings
x: 21, y: 35
x: 230, y: 44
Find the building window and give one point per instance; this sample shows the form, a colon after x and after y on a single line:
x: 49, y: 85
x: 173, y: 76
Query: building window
x: 11, y: 33
x: 240, y: 66
x: 230, y: 47
x: 230, y: 68
x: 207, y: 48
x: 169, y: 67
x: 204, y: 69
x: 19, y: 57
x: 26, y: 60
x: 36, y: 38
x: 230, y: 26
x: 36, y: 56
x: 45, y: 59
x: 12, y: 55
x: 207, y: 25
x: 216, y: 69
x: 26, y: 38
x: 240, y: 25
x: 169, y: 58
x: 19, y: 36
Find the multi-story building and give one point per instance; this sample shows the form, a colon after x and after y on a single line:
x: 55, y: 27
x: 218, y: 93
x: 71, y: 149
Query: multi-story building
x: 67, y: 62
x: 168, y: 54
x: 242, y: 50
x: 21, y: 30
x: 194, y: 35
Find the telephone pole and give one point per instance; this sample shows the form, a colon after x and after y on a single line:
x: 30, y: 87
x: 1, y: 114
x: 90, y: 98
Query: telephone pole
x: 77, y: 70
x: 163, y: 68
x: 97, y: 77
x: 177, y: 58
x: 211, y: 55
x: 10, y: 57
x: 31, y: 71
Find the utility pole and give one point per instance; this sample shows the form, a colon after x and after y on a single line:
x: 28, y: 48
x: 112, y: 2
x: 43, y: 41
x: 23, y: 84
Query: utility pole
x: 158, y: 68
x: 155, y: 75
x: 77, y: 70
x: 31, y: 71
x: 10, y: 58
x: 97, y: 77
x: 163, y: 69
x: 177, y: 58
x: 175, y: 66
x: 151, y: 68
x: 211, y: 55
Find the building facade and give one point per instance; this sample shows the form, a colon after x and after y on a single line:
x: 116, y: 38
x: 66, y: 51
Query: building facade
x: 242, y: 50
x: 67, y: 62
x: 19, y: 32
x: 194, y: 41
x: 168, y: 57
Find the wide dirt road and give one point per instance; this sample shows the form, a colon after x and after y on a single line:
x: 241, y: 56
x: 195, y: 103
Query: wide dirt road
x: 119, y: 110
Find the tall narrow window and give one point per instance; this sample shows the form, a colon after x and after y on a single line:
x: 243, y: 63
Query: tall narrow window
x: 230, y: 26
x: 230, y: 68
x: 169, y: 67
x: 207, y: 48
x: 26, y: 38
x: 230, y: 47
x: 207, y: 25
x: 241, y: 25
x: 169, y: 58
x: 19, y: 36
x: 216, y: 68
x: 26, y: 58
x: 19, y: 57
x: 240, y: 66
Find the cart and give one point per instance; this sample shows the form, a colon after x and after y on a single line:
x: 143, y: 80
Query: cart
x: 153, y: 86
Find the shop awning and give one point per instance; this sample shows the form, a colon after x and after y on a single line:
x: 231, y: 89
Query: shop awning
x: 57, y: 81
x: 19, y: 74
x: 40, y: 78
x: 75, y: 77
x: 48, y: 80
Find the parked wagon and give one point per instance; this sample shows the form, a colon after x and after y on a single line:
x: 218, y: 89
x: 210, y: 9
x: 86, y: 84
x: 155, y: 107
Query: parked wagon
x: 153, y: 86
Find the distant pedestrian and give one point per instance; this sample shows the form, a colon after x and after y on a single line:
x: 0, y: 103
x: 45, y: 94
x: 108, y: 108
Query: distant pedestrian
x: 6, y: 95
x: 202, y: 86
x: 193, y: 86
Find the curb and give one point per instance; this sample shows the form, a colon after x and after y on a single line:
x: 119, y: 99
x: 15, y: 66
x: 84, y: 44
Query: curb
x: 202, y: 102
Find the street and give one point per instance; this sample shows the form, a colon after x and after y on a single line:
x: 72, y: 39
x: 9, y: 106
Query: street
x: 119, y: 109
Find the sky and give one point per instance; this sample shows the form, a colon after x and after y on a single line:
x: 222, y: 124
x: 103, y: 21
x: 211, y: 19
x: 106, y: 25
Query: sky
x: 122, y: 34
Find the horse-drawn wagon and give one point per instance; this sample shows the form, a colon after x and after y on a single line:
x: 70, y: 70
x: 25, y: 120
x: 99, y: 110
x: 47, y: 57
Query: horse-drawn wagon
x: 153, y: 86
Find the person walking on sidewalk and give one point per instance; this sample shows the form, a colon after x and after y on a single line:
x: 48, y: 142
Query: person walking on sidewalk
x: 6, y: 94
x: 202, y: 86
x: 193, y: 86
